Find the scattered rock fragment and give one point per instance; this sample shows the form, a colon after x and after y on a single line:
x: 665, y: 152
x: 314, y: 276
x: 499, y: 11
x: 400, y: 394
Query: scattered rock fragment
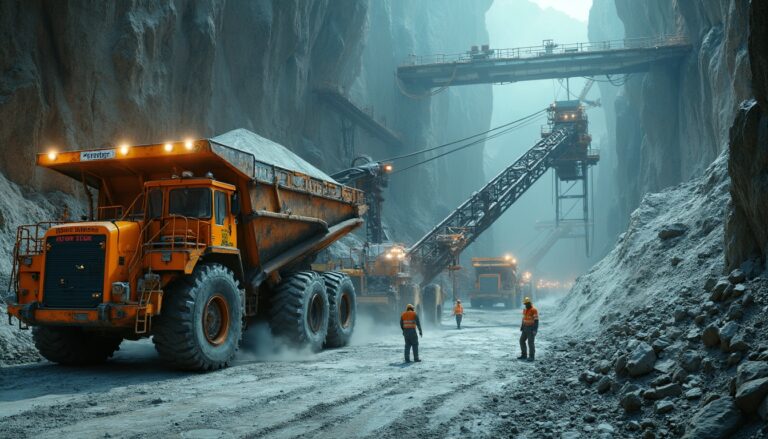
x: 727, y: 332
x: 690, y: 361
x: 737, y: 276
x: 672, y: 231
x: 693, y: 393
x: 711, y: 336
x: 717, y: 419
x: 750, y: 394
x: 751, y: 370
x: 664, y: 406
x: 662, y: 392
x: 604, y: 385
x: 631, y: 401
x: 641, y: 360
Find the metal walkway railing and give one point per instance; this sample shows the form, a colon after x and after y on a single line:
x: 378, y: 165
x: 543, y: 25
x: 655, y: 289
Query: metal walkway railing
x: 548, y: 48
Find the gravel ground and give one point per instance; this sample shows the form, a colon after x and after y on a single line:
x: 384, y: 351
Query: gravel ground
x: 363, y: 390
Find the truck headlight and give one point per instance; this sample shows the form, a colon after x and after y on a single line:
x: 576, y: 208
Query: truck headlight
x: 121, y: 292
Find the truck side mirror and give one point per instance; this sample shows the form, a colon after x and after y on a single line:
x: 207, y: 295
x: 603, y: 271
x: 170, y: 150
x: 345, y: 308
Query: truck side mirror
x: 235, y: 204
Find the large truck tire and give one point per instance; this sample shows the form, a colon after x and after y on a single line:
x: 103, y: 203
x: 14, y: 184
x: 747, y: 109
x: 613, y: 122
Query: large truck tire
x: 73, y: 346
x: 299, y: 311
x: 342, y: 306
x: 201, y: 324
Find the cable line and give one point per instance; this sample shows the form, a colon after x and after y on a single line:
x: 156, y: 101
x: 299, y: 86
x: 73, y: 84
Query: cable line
x: 422, y: 151
x: 523, y: 123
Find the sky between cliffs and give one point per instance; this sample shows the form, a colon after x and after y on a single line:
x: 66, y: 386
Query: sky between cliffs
x: 578, y: 9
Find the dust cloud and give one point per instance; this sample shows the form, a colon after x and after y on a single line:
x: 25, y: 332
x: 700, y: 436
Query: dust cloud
x: 259, y: 344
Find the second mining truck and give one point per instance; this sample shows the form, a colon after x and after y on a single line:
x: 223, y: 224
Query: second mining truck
x: 185, y: 241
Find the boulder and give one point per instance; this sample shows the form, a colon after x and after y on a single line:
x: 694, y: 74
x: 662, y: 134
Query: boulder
x: 751, y: 370
x: 690, y: 361
x: 672, y: 231
x: 693, y: 393
x: 738, y: 344
x: 750, y: 395
x: 662, y: 392
x: 631, y: 401
x: 621, y: 365
x: 604, y: 385
x: 718, y: 419
x: 710, y: 283
x: 735, y: 312
x: 718, y: 290
x: 660, y: 344
x: 641, y: 360
x: 711, y: 336
x: 737, y: 276
x: 603, y: 367
x: 738, y: 291
x: 726, y: 334
x: 664, y: 406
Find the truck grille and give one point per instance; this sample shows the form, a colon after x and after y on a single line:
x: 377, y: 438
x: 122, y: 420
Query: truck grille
x: 74, y: 271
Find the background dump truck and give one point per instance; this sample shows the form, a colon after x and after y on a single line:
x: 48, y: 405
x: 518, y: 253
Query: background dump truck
x: 495, y: 282
x: 185, y: 241
x: 384, y: 282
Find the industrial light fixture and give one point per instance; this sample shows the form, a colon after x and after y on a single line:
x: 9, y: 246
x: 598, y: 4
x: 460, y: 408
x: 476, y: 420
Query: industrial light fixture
x: 52, y: 155
x: 388, y: 167
x: 124, y: 149
x: 169, y: 147
x: 189, y: 144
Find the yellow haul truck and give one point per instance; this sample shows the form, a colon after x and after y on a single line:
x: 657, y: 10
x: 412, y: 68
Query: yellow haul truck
x: 495, y: 282
x: 186, y: 240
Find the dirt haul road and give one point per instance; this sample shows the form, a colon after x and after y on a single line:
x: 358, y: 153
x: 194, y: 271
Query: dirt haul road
x: 363, y: 390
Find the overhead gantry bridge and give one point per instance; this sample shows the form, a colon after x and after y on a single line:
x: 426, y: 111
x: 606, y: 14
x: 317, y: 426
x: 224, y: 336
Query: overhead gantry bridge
x: 548, y: 61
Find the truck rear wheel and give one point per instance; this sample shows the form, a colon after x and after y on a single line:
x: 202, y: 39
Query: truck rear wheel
x: 299, y: 311
x: 200, y: 327
x: 73, y: 346
x: 342, y: 305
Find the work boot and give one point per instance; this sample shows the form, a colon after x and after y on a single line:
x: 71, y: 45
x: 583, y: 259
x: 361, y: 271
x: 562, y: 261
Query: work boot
x: 522, y: 357
x: 530, y: 358
x: 417, y: 361
x: 407, y: 360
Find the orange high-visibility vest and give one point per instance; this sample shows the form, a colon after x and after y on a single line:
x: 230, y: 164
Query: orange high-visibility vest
x: 458, y: 310
x: 530, y: 316
x: 409, y: 319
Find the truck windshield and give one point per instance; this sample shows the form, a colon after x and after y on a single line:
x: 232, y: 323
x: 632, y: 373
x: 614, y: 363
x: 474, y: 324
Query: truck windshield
x: 190, y: 202
x: 155, y: 204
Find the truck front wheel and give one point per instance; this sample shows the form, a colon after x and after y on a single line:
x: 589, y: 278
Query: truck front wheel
x: 299, y: 311
x: 342, y: 309
x: 73, y: 346
x: 200, y: 327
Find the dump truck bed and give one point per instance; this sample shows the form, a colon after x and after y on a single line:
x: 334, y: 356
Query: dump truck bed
x: 289, y: 208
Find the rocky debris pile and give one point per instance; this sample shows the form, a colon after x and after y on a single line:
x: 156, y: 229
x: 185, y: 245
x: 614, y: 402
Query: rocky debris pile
x: 661, y: 344
x: 15, y: 346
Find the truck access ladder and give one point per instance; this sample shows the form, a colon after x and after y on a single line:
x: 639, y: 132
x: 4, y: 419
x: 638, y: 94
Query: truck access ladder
x: 430, y: 255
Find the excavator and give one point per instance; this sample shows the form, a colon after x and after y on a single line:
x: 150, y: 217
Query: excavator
x: 387, y: 275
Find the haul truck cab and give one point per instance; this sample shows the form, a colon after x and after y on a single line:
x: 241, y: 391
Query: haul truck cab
x: 186, y: 240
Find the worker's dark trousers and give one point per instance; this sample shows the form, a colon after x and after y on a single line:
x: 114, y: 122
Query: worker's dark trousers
x: 527, y: 335
x: 458, y: 320
x: 411, y: 341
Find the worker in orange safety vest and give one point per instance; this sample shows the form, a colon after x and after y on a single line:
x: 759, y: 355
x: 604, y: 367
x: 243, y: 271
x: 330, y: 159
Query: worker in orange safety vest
x: 409, y: 322
x: 529, y: 327
x: 458, y: 311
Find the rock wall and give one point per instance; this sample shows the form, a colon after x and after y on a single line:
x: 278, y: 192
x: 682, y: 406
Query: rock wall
x: 80, y: 74
x: 673, y: 121
x: 745, y: 233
